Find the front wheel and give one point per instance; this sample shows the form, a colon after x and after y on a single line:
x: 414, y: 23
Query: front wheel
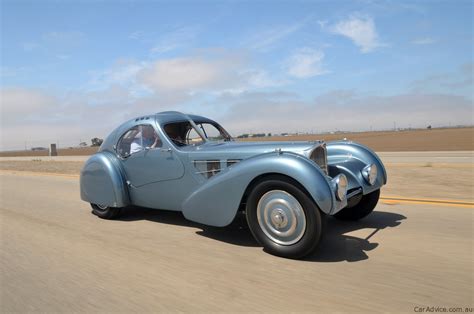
x: 361, y: 209
x: 283, y: 218
x: 105, y: 212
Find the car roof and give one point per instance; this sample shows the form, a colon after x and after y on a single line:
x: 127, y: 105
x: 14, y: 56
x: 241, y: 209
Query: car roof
x: 166, y: 117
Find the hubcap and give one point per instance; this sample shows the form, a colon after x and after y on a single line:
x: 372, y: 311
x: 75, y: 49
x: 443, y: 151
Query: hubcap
x: 281, y: 217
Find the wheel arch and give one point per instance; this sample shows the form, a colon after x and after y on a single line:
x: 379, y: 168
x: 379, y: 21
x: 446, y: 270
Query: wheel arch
x: 268, y: 176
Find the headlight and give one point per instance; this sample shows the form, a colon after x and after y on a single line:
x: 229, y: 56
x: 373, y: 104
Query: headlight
x: 370, y: 173
x: 341, y: 187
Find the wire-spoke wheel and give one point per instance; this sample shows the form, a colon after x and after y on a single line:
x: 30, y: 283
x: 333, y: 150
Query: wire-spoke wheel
x: 283, y: 218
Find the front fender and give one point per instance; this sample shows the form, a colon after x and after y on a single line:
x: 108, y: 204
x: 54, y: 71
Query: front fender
x: 216, y: 202
x: 102, y: 181
x: 350, y: 158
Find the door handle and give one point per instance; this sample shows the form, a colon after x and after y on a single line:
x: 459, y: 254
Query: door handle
x: 166, y: 150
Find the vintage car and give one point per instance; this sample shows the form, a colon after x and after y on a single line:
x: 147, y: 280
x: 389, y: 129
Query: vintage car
x: 188, y: 163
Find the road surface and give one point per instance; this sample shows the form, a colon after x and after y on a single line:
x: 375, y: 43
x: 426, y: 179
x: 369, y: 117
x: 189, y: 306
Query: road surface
x: 58, y: 257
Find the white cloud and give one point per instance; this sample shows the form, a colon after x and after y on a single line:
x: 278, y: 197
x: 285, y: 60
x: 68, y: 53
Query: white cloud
x: 266, y: 39
x: 341, y: 110
x: 182, y: 74
x: 20, y: 104
x: 461, y: 81
x: 123, y: 73
x: 305, y: 63
x: 423, y: 41
x: 39, y: 118
x: 361, y: 30
x: 175, y: 39
x: 213, y: 73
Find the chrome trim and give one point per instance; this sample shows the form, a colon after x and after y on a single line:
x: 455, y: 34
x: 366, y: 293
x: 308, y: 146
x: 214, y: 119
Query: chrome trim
x: 354, y: 193
x: 341, y: 187
x: 370, y: 173
x: 207, y: 171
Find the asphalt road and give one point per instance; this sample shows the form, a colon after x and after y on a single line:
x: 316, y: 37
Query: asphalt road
x: 57, y: 257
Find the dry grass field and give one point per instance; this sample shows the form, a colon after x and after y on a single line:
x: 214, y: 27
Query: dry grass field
x: 456, y: 139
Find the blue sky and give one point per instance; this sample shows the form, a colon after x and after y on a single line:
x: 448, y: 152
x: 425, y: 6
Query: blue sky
x: 270, y: 66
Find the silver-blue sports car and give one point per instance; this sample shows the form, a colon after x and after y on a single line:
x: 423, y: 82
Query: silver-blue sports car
x: 189, y: 163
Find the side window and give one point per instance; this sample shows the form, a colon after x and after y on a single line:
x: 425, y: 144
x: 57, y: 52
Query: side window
x: 177, y: 132
x: 193, y: 137
x: 136, y: 139
x: 211, y: 132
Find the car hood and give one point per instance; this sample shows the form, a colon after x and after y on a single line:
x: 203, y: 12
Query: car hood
x: 243, y: 150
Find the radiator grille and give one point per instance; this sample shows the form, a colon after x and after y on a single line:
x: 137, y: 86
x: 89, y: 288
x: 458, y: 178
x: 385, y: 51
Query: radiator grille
x: 319, y: 156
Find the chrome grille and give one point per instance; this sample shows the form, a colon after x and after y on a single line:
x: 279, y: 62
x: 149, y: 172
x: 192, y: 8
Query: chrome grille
x: 319, y: 156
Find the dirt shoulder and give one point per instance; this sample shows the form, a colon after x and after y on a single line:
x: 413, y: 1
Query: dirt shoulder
x: 58, y: 167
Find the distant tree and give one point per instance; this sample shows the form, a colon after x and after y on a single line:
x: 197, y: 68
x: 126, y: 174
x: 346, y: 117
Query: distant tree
x: 97, y: 141
x: 243, y: 136
x: 83, y: 144
x: 269, y: 134
x: 429, y: 127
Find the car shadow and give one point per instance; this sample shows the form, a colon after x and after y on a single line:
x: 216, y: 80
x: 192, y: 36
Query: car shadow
x: 335, y: 245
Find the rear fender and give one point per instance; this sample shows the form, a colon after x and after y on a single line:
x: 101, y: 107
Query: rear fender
x: 216, y: 202
x: 102, y: 181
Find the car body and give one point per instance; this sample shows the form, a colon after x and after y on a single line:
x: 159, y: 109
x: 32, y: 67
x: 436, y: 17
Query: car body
x: 189, y: 163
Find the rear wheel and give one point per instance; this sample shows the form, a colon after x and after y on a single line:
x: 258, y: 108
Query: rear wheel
x: 105, y: 212
x: 283, y: 219
x: 361, y: 209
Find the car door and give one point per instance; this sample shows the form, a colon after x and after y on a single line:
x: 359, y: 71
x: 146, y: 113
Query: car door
x: 147, y: 164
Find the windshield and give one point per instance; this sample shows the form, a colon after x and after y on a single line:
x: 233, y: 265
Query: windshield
x: 183, y: 133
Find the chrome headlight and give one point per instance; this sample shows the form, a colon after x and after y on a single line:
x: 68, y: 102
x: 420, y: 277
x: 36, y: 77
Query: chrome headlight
x: 370, y: 173
x: 341, y: 187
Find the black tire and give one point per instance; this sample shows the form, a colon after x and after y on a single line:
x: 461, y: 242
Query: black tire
x: 106, y: 212
x: 361, y: 209
x: 313, y: 219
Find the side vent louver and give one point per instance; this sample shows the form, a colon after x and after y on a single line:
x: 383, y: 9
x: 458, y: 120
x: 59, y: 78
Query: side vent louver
x: 207, y: 168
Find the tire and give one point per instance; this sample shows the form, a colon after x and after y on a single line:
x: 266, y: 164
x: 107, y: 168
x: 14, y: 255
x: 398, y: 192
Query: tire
x: 361, y: 209
x: 288, y: 210
x: 105, y: 212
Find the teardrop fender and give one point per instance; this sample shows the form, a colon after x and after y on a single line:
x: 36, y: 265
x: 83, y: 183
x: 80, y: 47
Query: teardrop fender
x: 216, y: 202
x: 102, y: 181
x: 350, y: 158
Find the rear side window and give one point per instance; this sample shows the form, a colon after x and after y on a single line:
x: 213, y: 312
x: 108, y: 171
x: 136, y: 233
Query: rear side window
x: 137, y: 139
